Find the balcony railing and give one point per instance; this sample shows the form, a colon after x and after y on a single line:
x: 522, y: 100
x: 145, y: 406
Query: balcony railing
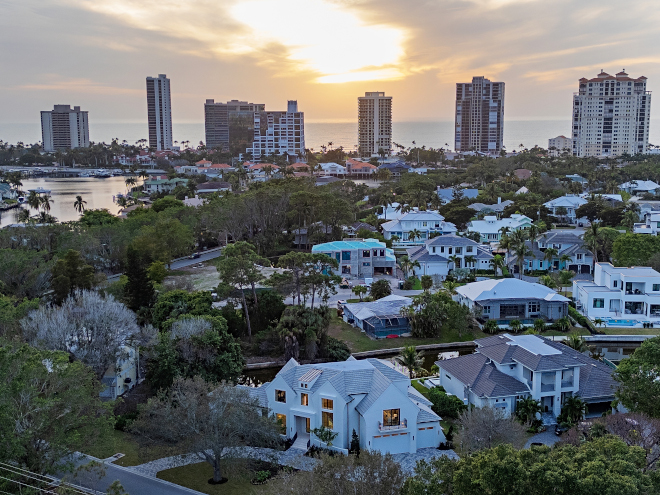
x: 566, y: 383
x: 403, y: 424
x: 547, y: 387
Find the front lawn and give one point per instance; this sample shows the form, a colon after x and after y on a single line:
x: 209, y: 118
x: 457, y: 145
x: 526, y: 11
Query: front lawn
x: 359, y: 342
x: 196, y: 476
x: 420, y: 388
x: 629, y: 331
x: 124, y: 443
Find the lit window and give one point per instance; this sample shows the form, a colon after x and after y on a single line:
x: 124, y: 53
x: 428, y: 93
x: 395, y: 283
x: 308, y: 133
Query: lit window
x: 304, y: 399
x: 599, y: 303
x: 327, y: 419
x: 280, y: 396
x: 326, y: 404
x: 281, y: 419
x: 391, y: 417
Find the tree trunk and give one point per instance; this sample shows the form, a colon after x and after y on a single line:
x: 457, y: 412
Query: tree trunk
x: 247, y: 316
x: 254, y: 293
x: 217, y: 472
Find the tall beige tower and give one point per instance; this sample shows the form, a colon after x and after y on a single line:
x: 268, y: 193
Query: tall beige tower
x: 374, y: 123
x: 479, y: 116
x: 611, y: 116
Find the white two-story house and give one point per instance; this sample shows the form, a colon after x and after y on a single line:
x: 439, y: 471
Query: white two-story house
x: 651, y: 224
x: 571, y: 254
x: 490, y: 228
x: 369, y: 396
x: 564, y: 207
x: 620, y: 296
x: 507, y: 368
x: 423, y: 222
x: 440, y: 255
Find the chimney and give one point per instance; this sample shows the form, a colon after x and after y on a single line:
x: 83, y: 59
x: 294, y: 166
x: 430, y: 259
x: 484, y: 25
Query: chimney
x: 499, y: 200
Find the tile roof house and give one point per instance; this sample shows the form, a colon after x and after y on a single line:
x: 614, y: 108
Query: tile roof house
x: 506, y: 368
x: 213, y: 187
x: 570, y: 203
x: 509, y: 299
x: 425, y: 222
x: 380, y: 318
x: 496, y: 208
x: 360, y: 258
x: 522, y: 173
x: 490, y: 227
x: 356, y: 167
x: 369, y: 396
x: 566, y: 244
x: 640, y: 187
x: 440, y: 255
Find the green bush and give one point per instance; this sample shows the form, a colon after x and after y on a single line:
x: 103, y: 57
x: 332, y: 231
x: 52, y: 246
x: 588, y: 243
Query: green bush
x: 581, y: 319
x: 337, y: 350
x: 446, y: 406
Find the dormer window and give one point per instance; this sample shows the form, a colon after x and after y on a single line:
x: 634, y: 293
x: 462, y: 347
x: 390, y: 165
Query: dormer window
x: 434, y: 249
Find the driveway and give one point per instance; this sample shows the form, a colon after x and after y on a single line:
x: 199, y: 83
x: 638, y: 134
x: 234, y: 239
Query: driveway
x: 184, y: 262
x: 547, y: 437
x: 133, y: 483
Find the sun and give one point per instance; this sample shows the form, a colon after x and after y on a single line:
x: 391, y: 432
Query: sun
x: 323, y: 37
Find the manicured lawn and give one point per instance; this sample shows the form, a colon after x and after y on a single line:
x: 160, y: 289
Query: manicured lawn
x: 420, y: 388
x: 358, y: 341
x: 196, y: 476
x: 573, y: 330
x: 122, y: 442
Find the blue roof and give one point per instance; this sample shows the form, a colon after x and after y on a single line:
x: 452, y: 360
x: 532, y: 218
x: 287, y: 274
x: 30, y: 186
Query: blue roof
x: 348, y: 245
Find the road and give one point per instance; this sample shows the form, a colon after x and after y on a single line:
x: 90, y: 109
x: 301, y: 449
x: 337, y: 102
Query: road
x: 133, y: 483
x: 184, y: 262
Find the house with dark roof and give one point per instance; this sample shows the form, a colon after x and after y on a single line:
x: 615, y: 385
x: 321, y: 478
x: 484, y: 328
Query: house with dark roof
x: 572, y: 254
x: 507, y: 368
x: 440, y: 255
x: 370, y: 397
x: 381, y: 318
x: 423, y: 223
x: 448, y: 194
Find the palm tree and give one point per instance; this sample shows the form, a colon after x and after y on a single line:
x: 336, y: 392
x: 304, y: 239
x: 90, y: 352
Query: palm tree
x: 565, y: 277
x: 548, y: 281
x: 414, y: 234
x: 45, y: 202
x: 515, y: 326
x: 456, y: 261
x: 449, y: 286
x: 565, y: 259
x: 563, y: 324
x: 130, y: 182
x: 471, y: 260
x: 520, y: 248
x: 33, y: 200
x: 23, y: 216
x: 593, y: 239
x: 539, y: 325
x: 549, y: 254
x: 598, y: 322
x: 491, y: 326
x: 143, y: 175
x: 497, y: 263
x: 573, y: 410
x: 79, y: 204
x: 577, y: 342
x: 528, y: 409
x: 411, y: 359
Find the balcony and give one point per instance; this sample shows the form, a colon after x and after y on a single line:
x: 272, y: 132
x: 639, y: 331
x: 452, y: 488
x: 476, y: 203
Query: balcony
x: 401, y: 426
x: 567, y: 383
x: 547, y: 387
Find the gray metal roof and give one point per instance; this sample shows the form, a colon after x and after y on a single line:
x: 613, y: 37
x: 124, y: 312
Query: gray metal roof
x: 258, y: 393
x: 451, y: 240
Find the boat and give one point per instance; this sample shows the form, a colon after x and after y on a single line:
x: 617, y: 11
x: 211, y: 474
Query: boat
x: 117, y: 172
x: 103, y: 174
x: 40, y: 190
x: 84, y: 174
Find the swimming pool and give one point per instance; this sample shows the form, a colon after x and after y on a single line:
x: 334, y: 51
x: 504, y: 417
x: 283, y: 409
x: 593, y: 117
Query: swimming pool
x: 525, y: 321
x: 621, y: 323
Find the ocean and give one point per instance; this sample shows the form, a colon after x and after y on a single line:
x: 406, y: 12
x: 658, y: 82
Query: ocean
x: 429, y: 134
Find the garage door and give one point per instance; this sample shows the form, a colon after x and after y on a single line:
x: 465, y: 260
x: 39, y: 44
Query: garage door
x: 574, y: 268
x: 585, y: 269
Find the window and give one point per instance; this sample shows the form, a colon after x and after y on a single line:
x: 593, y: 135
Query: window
x: 468, y: 249
x: 434, y: 249
x: 280, y: 396
x: 616, y: 282
x: 656, y: 287
x: 346, y: 255
x: 391, y: 417
x: 486, y: 310
x: 326, y: 404
x: 382, y: 252
x: 327, y: 419
x: 534, y: 307
x: 307, y: 428
x: 304, y: 399
x: 442, y: 249
x: 281, y: 419
x: 458, y: 250
x: 366, y: 253
x: 599, y: 303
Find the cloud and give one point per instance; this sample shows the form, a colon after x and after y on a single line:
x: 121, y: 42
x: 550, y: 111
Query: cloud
x: 55, y: 82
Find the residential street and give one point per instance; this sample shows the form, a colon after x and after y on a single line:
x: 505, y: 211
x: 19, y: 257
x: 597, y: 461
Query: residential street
x: 133, y: 483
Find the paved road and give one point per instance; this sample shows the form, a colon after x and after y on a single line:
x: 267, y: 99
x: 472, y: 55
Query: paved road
x: 133, y: 483
x: 184, y: 262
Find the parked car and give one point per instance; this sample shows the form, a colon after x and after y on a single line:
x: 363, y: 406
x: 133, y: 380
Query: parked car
x: 194, y: 256
x: 559, y: 429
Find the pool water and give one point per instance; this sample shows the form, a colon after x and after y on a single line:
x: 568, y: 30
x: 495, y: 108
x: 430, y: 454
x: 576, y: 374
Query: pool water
x: 622, y: 323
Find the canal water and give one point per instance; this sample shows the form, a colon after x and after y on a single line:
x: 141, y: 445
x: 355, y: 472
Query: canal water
x: 63, y: 191
x: 255, y: 377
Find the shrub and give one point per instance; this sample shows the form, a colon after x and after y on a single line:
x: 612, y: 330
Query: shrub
x: 491, y: 326
x: 337, y: 350
x: 446, y: 406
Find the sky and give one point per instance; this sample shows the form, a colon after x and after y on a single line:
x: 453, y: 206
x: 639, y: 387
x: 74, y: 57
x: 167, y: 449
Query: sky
x: 324, y: 53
